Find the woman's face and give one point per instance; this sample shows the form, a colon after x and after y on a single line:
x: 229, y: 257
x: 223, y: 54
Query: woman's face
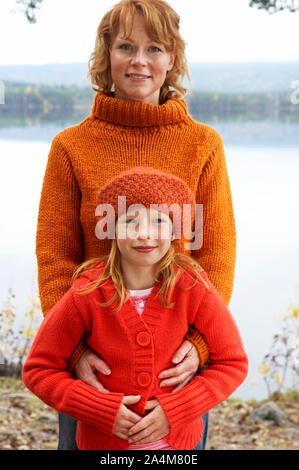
x: 138, y: 64
x: 143, y: 236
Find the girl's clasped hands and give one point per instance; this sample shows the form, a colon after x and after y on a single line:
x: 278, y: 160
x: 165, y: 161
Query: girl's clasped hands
x: 130, y: 426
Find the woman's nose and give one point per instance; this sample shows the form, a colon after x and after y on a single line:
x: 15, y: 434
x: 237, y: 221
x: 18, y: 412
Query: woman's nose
x: 139, y: 58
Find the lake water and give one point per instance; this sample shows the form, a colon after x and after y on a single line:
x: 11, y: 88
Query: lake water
x: 263, y: 165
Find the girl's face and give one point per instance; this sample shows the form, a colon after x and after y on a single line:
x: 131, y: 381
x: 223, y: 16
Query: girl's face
x: 143, y: 236
x: 138, y: 64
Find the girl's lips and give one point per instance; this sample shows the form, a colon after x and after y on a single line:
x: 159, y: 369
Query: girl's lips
x: 143, y: 249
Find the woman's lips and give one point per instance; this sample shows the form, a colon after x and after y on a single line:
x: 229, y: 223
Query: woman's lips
x: 144, y: 249
x: 137, y: 77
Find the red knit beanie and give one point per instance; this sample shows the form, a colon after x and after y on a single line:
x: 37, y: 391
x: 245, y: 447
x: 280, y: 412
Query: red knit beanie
x: 147, y: 186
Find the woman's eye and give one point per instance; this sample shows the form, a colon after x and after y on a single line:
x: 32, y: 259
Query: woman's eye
x: 131, y: 220
x: 155, y: 49
x: 125, y: 47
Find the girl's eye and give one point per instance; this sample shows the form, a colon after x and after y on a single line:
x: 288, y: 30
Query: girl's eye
x: 159, y: 220
x: 131, y: 220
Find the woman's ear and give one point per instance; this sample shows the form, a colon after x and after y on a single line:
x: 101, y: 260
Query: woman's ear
x: 171, y: 63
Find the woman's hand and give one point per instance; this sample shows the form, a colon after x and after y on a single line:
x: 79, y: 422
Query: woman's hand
x: 188, y: 362
x: 126, y: 418
x: 152, y: 427
x: 85, y: 369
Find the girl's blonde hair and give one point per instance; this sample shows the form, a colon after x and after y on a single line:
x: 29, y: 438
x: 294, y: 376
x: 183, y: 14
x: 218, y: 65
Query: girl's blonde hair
x: 162, y: 25
x: 165, y: 267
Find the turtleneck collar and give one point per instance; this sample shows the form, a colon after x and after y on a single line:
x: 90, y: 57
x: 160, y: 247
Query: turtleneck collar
x: 135, y: 113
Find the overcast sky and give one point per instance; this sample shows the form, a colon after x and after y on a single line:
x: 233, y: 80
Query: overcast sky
x: 215, y: 31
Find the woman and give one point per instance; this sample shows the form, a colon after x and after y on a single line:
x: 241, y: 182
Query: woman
x: 138, y: 117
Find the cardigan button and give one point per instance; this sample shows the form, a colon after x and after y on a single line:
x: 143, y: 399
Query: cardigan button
x: 143, y: 379
x: 143, y: 338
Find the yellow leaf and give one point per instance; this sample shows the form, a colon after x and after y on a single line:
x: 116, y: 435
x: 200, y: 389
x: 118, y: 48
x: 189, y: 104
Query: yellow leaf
x: 263, y: 369
x: 276, y: 375
x: 296, y: 312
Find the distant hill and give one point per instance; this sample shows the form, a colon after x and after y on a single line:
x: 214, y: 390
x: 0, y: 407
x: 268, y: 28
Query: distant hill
x: 219, y: 77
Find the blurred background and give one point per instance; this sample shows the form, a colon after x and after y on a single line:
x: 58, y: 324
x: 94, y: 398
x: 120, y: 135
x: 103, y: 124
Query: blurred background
x: 244, y: 69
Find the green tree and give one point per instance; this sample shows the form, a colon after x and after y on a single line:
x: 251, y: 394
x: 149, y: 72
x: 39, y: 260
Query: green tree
x: 273, y: 6
x: 30, y: 7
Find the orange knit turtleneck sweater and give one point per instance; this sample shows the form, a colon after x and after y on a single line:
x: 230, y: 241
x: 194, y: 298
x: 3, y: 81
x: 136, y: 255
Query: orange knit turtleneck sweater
x: 116, y: 136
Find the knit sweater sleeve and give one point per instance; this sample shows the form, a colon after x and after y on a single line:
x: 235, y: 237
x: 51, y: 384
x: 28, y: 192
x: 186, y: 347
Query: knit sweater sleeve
x: 227, y: 368
x: 58, y: 235
x: 218, y: 252
x: 46, y: 374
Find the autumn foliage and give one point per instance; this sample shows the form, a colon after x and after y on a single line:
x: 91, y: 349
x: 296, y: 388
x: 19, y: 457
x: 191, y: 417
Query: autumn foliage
x: 280, y: 366
x: 15, y: 343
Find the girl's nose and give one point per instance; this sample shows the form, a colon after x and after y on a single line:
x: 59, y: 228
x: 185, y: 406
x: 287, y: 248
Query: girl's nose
x: 143, y: 231
x: 148, y: 231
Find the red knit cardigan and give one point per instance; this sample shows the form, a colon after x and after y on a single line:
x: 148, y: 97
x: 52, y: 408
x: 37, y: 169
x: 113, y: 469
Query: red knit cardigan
x: 137, y: 348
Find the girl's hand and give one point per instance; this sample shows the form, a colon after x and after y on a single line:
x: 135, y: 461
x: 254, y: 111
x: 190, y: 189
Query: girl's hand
x: 126, y: 418
x: 188, y: 362
x: 151, y: 427
x: 85, y: 369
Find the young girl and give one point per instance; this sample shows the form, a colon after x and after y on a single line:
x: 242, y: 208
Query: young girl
x: 134, y: 307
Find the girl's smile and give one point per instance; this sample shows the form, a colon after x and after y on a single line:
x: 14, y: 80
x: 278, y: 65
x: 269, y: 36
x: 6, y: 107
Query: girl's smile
x: 144, y: 249
x: 145, y: 240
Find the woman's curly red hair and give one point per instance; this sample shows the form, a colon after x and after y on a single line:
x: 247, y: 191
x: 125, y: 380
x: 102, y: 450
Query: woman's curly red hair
x: 162, y: 24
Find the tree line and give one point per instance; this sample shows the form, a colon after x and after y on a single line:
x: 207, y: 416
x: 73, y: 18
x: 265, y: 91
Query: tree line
x: 23, y: 99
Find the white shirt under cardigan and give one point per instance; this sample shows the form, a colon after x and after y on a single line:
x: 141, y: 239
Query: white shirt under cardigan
x: 139, y: 298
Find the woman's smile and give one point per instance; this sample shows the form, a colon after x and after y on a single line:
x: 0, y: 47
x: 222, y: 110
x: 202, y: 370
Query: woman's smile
x: 137, y: 77
x: 139, y: 64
